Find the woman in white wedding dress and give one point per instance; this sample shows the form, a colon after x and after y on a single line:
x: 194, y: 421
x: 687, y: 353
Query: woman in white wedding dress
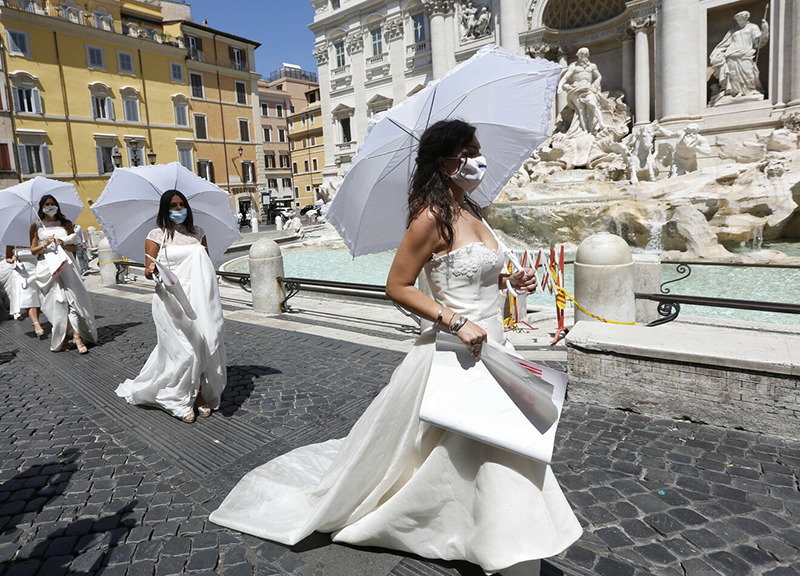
x: 399, y: 483
x: 23, y: 293
x: 187, y: 368
x: 65, y: 300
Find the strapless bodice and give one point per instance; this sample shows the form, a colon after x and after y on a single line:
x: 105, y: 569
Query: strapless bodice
x: 465, y: 280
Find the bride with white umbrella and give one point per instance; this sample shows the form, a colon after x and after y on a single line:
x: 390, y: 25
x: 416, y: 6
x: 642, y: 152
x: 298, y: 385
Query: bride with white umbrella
x: 176, y: 223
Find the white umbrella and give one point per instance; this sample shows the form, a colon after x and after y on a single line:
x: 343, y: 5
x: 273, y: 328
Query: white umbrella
x: 19, y: 205
x: 128, y: 207
x: 506, y: 96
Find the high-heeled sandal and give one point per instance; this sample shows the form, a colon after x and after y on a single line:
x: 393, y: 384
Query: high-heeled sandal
x: 82, y: 349
x: 204, y: 411
x: 40, y: 333
x: 188, y: 418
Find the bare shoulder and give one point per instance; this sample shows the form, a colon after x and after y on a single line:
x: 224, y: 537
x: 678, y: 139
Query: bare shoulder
x: 424, y: 230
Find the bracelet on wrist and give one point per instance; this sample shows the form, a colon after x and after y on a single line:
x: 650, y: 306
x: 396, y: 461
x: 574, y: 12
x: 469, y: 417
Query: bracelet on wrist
x: 439, y: 316
x: 458, y: 324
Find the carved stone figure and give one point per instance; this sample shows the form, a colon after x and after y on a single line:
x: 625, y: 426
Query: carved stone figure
x: 734, y: 61
x: 468, y: 19
x: 684, y: 155
x: 581, y: 82
x: 640, y: 149
x: 475, y: 20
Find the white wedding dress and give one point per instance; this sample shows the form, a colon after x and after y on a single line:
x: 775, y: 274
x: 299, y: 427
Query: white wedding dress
x: 190, y: 354
x: 65, y: 300
x: 23, y: 293
x: 399, y: 483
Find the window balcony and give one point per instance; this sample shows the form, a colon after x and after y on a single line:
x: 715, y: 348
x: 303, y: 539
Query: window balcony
x: 196, y: 55
x: 377, y: 59
x: 417, y: 48
x: 340, y: 71
x: 240, y: 66
x: 346, y: 148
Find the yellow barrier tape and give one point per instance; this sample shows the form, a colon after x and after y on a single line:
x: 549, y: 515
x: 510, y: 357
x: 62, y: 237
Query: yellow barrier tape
x: 561, y: 300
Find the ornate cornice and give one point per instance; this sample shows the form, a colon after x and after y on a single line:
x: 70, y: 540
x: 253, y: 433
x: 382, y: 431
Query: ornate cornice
x: 443, y: 7
x: 319, y: 6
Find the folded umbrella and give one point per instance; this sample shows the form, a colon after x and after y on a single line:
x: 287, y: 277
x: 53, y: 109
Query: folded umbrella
x: 169, y: 280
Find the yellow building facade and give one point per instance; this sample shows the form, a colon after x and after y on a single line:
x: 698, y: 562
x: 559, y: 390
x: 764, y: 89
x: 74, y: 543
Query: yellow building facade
x: 308, y: 151
x: 89, y: 80
x: 223, y: 94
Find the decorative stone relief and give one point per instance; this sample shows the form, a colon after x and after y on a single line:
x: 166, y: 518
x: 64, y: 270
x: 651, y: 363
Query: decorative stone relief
x: 321, y: 54
x: 393, y: 29
x: 355, y: 42
x: 475, y: 21
x: 540, y: 50
x: 433, y: 7
x: 319, y: 6
x: 733, y: 61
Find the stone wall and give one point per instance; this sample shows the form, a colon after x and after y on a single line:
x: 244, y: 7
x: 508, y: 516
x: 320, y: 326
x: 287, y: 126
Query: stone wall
x: 701, y: 388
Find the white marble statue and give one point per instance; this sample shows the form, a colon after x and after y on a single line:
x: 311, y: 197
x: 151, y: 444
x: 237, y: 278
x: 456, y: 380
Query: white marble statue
x: 640, y: 156
x: 468, y: 19
x: 581, y: 82
x: 483, y: 23
x: 734, y: 61
x: 684, y: 153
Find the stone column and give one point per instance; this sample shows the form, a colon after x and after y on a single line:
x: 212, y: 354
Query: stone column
x: 627, y: 67
x: 393, y: 34
x: 321, y: 53
x: 677, y: 57
x: 642, y: 69
x: 510, y: 20
x: 451, y: 34
x: 436, y: 10
x: 794, y: 70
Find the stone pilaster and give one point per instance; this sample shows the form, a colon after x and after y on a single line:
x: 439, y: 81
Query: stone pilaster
x: 393, y: 33
x: 626, y: 38
x: 677, y: 57
x: 437, y: 9
x: 355, y: 47
x: 510, y: 22
x: 794, y: 70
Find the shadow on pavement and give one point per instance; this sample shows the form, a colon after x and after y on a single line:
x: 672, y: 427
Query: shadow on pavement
x: 109, y: 332
x: 241, y: 383
x: 8, y: 355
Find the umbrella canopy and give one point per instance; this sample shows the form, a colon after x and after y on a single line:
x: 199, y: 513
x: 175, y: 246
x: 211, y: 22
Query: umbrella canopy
x: 19, y: 205
x: 508, y: 98
x: 128, y: 207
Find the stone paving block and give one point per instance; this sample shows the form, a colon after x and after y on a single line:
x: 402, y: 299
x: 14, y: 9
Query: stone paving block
x: 55, y: 566
x: 171, y: 566
x: 202, y: 560
x: 729, y: 564
x: 27, y: 568
x: 177, y: 547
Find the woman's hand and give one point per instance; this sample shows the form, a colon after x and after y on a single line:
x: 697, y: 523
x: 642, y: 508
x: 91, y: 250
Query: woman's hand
x: 473, y: 337
x: 148, y: 270
x: 524, y: 280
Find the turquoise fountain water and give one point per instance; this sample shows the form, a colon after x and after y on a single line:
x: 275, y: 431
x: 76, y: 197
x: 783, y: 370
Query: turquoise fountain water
x: 773, y: 285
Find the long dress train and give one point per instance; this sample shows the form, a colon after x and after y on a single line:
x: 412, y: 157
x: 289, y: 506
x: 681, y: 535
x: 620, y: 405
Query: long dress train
x: 65, y: 300
x: 189, y: 354
x: 399, y: 483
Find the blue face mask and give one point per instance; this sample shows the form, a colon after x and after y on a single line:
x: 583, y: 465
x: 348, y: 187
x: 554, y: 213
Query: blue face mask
x: 177, y: 216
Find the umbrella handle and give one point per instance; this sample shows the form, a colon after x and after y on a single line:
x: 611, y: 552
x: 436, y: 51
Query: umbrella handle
x: 517, y: 268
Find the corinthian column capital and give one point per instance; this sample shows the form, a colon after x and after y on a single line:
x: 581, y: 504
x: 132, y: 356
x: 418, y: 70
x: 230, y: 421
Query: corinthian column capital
x: 433, y: 7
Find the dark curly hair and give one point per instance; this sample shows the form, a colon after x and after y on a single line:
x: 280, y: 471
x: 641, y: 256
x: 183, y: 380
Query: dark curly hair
x: 163, y: 220
x: 428, y: 187
x: 59, y: 216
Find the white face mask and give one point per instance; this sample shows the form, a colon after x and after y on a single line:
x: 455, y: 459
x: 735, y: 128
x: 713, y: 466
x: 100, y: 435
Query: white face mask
x: 471, y: 173
x: 50, y: 210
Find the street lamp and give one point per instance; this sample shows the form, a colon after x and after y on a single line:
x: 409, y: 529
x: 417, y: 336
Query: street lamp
x: 151, y: 157
x: 134, y: 156
x: 116, y: 157
x: 241, y: 151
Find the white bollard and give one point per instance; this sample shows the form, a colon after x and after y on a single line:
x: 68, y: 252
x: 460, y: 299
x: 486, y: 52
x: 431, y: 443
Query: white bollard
x: 91, y: 233
x: 254, y: 223
x: 266, y: 265
x: 604, y: 279
x: 106, y: 258
x: 278, y: 222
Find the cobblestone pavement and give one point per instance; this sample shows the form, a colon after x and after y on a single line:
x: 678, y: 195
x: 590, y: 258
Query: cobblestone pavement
x: 91, y: 485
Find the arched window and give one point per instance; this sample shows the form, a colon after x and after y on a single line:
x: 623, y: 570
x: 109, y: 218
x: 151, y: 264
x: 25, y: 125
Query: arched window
x: 102, y: 104
x: 25, y: 92
x: 130, y: 103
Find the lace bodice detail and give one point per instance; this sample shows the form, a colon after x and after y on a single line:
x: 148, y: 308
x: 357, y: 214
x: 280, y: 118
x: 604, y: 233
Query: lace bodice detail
x: 180, y: 236
x: 466, y: 281
x: 465, y: 261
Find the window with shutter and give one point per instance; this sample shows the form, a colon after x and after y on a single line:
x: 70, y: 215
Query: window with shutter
x: 131, y: 110
x: 109, y: 108
x: 197, y: 85
x: 200, y: 127
x: 185, y: 157
x: 241, y: 93
x: 5, y: 159
x: 244, y: 130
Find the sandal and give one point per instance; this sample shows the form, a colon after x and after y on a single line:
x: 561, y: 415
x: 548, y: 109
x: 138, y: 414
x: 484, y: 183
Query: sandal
x: 40, y: 334
x: 188, y: 418
x: 82, y: 349
x: 204, y: 411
